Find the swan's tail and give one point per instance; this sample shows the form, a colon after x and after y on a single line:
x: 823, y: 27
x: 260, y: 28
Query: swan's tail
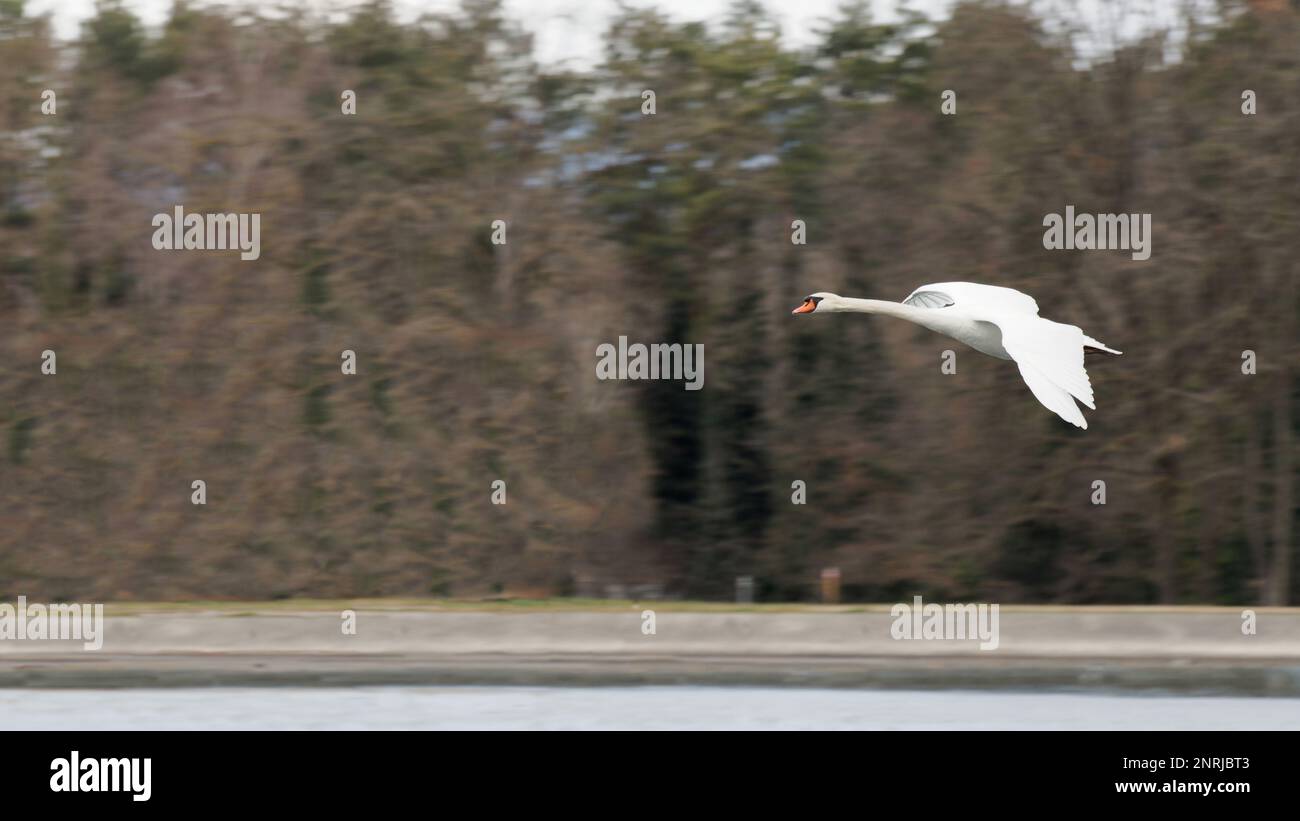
x: 1091, y: 345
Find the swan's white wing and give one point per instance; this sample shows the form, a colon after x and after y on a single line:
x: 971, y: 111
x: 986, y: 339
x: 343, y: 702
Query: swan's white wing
x: 1092, y: 343
x: 1050, y: 356
x: 929, y: 299
x: 1053, y: 398
x: 973, y: 297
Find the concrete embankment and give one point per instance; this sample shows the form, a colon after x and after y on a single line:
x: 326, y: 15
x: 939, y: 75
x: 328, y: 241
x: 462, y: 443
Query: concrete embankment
x: 1194, y: 650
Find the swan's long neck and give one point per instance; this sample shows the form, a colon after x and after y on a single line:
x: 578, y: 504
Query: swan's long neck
x: 925, y: 317
x: 881, y: 306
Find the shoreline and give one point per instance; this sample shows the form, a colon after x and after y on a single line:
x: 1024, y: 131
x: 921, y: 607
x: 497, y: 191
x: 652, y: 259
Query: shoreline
x: 1200, y: 651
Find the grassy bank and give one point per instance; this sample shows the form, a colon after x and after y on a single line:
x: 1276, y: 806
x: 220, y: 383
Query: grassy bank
x: 577, y: 605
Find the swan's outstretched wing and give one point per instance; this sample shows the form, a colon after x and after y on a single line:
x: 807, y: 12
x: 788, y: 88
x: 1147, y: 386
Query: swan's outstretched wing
x: 1049, y: 354
x: 1050, y: 357
x: 928, y: 297
x: 1053, y: 398
x: 971, y: 296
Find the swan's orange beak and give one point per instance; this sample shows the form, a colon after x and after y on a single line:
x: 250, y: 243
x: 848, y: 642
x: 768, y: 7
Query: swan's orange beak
x: 807, y: 307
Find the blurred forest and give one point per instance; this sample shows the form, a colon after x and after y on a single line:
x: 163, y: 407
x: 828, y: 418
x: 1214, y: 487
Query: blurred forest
x: 476, y: 361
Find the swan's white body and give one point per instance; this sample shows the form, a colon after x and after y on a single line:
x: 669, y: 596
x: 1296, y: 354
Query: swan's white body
x: 1000, y: 322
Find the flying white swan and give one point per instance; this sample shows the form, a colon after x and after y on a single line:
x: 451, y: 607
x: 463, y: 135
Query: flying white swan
x: 1000, y: 322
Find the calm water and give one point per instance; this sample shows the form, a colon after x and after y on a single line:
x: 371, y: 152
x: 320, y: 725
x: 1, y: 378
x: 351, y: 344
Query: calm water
x: 607, y: 708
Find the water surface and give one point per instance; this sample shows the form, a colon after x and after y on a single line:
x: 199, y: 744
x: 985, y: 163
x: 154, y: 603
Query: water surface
x: 641, y: 708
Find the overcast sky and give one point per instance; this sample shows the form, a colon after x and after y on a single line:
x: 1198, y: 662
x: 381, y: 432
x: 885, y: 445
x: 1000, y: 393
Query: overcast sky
x: 570, y: 30
x: 561, y: 25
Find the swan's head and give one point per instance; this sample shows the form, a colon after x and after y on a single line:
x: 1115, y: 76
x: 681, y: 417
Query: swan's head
x: 820, y: 302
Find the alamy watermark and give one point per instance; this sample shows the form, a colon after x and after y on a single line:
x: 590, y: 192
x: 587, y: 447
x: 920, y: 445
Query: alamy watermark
x: 53, y: 622
x: 656, y: 361
x: 947, y: 622
x: 179, y: 231
x: 77, y: 774
x: 1099, y: 232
